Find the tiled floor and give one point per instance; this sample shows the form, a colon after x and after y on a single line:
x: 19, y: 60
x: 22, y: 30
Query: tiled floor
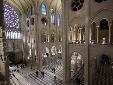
x: 27, y: 76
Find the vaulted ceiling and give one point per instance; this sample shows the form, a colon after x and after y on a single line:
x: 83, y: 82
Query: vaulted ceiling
x: 22, y: 5
x: 19, y: 5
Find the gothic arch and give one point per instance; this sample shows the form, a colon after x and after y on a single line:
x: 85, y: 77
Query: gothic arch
x: 99, y: 12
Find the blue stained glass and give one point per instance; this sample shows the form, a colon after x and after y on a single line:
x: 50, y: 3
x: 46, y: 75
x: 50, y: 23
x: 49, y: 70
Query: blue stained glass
x: 52, y: 17
x: 59, y: 20
x: 43, y: 8
x: 104, y: 24
x: 11, y: 18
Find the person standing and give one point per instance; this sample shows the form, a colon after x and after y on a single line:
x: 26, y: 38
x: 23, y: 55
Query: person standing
x: 31, y: 67
x: 36, y: 73
x: 17, y: 65
x: 42, y: 74
x: 55, y: 79
x: 54, y: 70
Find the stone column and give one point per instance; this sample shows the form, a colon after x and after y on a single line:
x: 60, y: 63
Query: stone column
x: 74, y: 30
x: 24, y: 42
x: 37, y: 41
x: 87, y: 37
x: 80, y: 39
x: 78, y: 36
x: 110, y: 32
x: 2, y: 57
x: 83, y: 34
x: 72, y: 35
x: 4, y: 62
x: 66, y: 57
x: 1, y: 12
x: 97, y: 27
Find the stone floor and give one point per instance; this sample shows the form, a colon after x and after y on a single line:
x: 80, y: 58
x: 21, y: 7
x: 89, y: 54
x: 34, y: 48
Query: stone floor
x: 27, y: 76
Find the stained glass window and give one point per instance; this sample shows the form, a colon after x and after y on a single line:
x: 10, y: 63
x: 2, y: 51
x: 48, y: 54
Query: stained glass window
x: 13, y: 35
x: 32, y: 10
x: 16, y: 35
x: 19, y: 35
x: 52, y: 14
x: 43, y: 9
x: 9, y: 35
x: 59, y: 21
x: 104, y: 24
x: 11, y: 18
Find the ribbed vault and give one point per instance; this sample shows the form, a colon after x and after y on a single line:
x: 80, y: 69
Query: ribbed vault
x: 19, y: 5
x: 22, y: 5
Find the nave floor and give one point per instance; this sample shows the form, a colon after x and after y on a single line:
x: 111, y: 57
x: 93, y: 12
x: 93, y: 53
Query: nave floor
x: 27, y: 76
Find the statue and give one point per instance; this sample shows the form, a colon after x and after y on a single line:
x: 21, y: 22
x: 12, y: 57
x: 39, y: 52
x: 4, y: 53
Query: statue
x: 104, y: 41
x: 92, y: 41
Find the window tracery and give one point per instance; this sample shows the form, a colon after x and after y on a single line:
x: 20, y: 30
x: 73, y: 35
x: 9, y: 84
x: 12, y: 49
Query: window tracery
x: 77, y: 4
x: 13, y: 34
x: 11, y: 18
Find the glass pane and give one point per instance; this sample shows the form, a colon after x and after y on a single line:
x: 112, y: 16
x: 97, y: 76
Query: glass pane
x: 59, y: 20
x: 11, y: 18
x: 52, y: 17
x: 43, y: 9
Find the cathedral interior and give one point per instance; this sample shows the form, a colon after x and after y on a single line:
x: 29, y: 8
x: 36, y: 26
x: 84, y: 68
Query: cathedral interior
x: 56, y: 42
